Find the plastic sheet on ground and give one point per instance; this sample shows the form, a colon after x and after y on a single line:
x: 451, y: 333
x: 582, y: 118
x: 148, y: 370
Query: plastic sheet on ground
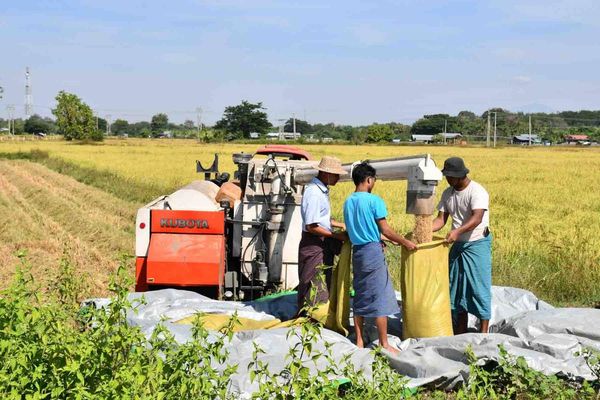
x: 546, y: 337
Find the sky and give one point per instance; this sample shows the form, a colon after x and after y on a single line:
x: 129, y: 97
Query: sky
x: 347, y: 62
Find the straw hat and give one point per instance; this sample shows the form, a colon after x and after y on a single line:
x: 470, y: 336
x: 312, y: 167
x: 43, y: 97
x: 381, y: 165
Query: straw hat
x: 331, y: 165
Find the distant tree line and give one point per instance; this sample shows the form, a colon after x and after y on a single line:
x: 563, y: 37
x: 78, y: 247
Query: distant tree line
x: 549, y: 126
x: 74, y: 119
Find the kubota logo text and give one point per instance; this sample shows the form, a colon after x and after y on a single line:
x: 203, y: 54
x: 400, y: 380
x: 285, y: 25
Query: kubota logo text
x: 183, y: 223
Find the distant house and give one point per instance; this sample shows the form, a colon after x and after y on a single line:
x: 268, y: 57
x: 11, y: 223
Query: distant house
x: 396, y: 141
x: 452, y: 137
x: 421, y: 138
x: 526, y: 139
x: 254, y: 135
x: 291, y: 135
x: 576, y: 138
x: 165, y: 135
x: 449, y: 136
x: 286, y: 135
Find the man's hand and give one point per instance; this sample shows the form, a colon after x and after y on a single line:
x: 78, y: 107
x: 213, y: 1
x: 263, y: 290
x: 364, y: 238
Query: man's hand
x: 408, y: 245
x: 452, y: 236
x: 342, y: 236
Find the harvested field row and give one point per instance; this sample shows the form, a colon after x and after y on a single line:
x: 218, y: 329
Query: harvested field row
x: 48, y: 214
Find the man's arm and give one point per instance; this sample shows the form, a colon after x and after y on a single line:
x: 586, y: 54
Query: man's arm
x: 318, y: 230
x: 440, y: 221
x: 336, y: 224
x: 469, y: 225
x: 389, y: 233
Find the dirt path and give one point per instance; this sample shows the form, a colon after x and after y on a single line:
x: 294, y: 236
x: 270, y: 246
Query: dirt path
x: 48, y: 214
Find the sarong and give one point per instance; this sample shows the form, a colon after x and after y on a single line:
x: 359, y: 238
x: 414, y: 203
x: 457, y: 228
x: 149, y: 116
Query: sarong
x: 315, y: 253
x: 374, y: 291
x: 471, y: 277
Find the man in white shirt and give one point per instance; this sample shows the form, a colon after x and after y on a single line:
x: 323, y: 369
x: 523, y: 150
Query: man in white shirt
x: 319, y: 243
x: 470, y: 260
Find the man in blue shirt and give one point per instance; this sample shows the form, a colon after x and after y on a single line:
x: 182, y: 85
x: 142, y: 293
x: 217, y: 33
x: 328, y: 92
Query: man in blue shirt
x: 365, y: 216
x: 319, y: 243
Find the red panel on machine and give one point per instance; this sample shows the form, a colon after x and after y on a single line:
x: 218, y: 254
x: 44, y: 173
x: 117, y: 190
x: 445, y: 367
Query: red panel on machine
x: 140, y: 275
x: 185, y: 260
x: 175, y: 221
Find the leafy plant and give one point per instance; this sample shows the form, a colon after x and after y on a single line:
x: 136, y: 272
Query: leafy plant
x: 592, y: 359
x: 49, y: 350
x: 511, y: 378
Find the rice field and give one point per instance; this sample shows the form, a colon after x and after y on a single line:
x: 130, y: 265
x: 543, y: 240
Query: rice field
x: 545, y: 202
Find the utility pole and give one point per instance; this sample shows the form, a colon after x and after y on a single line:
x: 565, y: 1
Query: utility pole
x: 199, y: 120
x: 488, y: 129
x: 8, y: 118
x: 281, y: 128
x: 1, y: 95
x: 530, y: 129
x: 495, y: 115
x: 96, y: 116
x: 108, y: 122
x: 11, y: 123
x: 28, y: 95
x: 495, y: 130
x: 294, y: 124
x: 445, y: 129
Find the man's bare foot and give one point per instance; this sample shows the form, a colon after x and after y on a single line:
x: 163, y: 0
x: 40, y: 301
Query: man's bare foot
x: 392, y: 349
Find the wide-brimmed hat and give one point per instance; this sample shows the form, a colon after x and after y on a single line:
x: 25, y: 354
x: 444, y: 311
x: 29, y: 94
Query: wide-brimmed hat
x: 455, y: 167
x: 331, y: 165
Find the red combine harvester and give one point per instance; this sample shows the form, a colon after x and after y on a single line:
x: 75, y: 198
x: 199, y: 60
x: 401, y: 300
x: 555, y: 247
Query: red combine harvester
x: 212, y: 236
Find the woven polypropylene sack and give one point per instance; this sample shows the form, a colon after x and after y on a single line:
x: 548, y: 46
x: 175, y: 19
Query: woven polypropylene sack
x: 426, y: 291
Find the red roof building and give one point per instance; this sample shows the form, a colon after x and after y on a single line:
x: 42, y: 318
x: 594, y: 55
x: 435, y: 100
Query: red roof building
x: 576, y: 138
